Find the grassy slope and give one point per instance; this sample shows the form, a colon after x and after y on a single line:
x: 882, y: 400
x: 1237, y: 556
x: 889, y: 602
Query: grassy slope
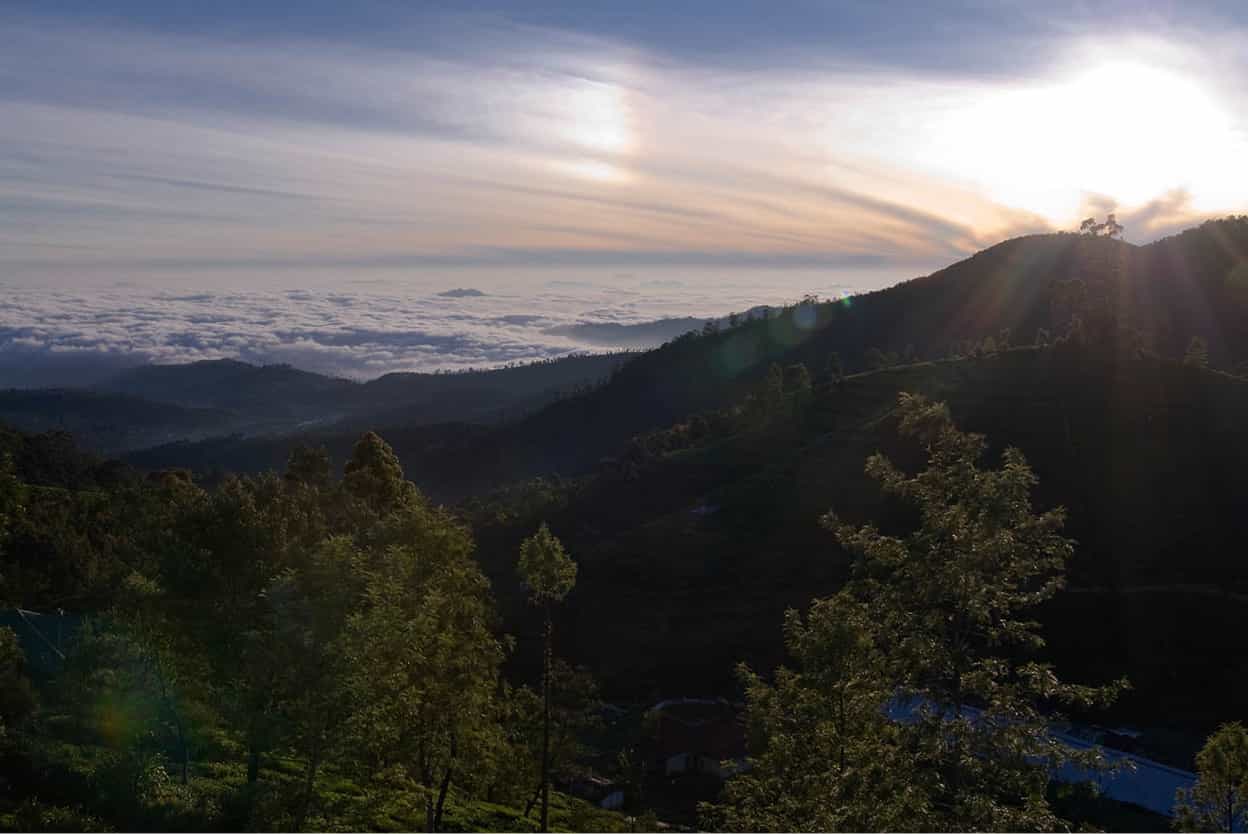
x: 86, y: 780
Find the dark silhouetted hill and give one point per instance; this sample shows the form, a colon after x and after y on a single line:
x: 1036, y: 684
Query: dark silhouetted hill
x: 108, y: 423
x: 155, y: 405
x: 1122, y: 299
x: 689, y: 558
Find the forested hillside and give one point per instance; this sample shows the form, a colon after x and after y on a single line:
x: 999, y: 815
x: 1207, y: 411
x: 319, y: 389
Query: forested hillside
x: 154, y: 405
x: 109, y: 422
x: 1120, y: 300
x: 282, y: 652
x: 698, y: 537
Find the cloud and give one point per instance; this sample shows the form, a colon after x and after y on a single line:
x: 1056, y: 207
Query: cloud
x: 1169, y: 214
x: 172, y: 149
x: 52, y: 337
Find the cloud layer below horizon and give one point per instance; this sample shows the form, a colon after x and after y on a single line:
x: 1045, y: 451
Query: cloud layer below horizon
x: 364, y: 329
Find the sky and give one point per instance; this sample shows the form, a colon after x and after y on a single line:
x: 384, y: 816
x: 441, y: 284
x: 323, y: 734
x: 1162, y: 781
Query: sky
x: 651, y: 152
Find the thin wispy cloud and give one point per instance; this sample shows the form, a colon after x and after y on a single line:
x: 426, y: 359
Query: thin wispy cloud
x: 172, y: 147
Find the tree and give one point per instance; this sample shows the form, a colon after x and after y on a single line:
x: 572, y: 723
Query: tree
x: 1197, y: 355
x: 574, y: 712
x: 823, y: 755
x: 1110, y: 228
x: 374, y: 477
x: 1219, y: 799
x: 309, y: 465
x: 226, y: 550
x: 160, y: 662
x: 309, y: 611
x: 425, y: 660
x: 549, y: 575
x: 949, y: 602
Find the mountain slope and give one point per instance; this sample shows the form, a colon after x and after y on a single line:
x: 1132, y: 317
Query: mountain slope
x: 232, y: 385
x: 1127, y: 299
x: 159, y: 404
x: 108, y: 423
x: 689, y: 559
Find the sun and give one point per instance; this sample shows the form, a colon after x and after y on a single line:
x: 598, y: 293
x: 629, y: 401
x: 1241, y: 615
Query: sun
x: 1119, y: 126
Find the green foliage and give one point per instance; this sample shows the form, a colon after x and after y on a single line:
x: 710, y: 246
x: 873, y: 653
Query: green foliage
x: 824, y: 756
x: 1110, y: 228
x: 950, y: 601
x: 281, y: 625
x: 935, y: 619
x: 545, y: 568
x: 33, y: 815
x: 574, y: 717
x: 425, y: 660
x: 373, y: 475
x: 1219, y: 799
x: 309, y: 466
x: 549, y: 575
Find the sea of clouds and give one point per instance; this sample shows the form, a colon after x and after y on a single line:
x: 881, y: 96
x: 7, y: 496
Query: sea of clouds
x: 76, y: 333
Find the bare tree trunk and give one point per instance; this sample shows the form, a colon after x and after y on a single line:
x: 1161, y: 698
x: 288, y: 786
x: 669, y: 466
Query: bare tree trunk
x: 546, y: 724
x: 445, y: 787
x: 253, y: 762
x: 186, y: 753
x: 426, y: 781
x: 442, y: 791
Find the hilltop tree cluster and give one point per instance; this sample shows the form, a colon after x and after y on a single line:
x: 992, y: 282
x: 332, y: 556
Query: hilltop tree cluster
x: 1110, y: 228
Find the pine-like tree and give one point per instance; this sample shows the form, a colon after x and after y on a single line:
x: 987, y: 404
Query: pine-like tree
x: 950, y: 603
x: 549, y: 574
x: 1219, y: 799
